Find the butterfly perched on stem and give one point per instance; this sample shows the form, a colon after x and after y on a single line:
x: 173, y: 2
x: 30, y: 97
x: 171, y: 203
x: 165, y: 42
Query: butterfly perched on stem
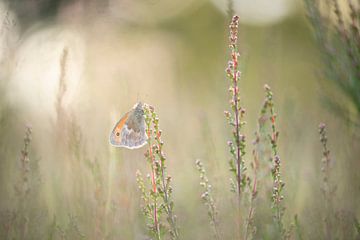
x: 129, y: 131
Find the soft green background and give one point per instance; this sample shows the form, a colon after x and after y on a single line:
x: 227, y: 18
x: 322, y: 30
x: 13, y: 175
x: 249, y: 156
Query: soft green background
x: 173, y: 58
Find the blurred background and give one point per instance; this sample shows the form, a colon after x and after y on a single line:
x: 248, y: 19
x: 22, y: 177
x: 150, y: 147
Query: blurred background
x: 71, y: 68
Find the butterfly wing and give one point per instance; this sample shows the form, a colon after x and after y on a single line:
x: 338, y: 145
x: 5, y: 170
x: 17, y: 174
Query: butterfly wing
x: 129, y: 132
x: 115, y: 136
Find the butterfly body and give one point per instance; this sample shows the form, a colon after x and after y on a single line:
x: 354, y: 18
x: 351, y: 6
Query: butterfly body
x: 129, y: 131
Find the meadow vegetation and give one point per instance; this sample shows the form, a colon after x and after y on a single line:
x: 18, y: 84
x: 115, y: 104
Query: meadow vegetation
x: 252, y: 199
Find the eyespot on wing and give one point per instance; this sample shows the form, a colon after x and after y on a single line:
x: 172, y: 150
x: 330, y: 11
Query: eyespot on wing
x: 129, y: 138
x: 115, y: 136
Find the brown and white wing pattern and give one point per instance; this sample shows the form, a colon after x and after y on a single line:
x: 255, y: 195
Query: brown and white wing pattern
x: 129, y: 132
x: 132, y: 139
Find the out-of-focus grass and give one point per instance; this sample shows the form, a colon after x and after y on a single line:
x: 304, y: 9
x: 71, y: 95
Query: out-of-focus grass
x: 176, y: 65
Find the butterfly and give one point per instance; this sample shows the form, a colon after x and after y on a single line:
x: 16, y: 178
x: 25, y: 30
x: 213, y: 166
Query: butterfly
x: 129, y: 132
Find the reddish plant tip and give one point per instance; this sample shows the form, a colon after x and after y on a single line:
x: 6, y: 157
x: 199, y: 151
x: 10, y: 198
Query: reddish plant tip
x: 273, y: 119
x: 233, y: 31
x: 235, y: 18
x: 148, y: 133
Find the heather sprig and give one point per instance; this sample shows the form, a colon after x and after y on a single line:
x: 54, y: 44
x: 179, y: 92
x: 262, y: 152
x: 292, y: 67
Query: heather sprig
x: 100, y: 199
x: 149, y: 207
x: 150, y: 200
x: 208, y: 199
x: 27, y: 213
x: 278, y: 185
x: 235, y: 117
x: 23, y: 188
x: 161, y: 181
x: 328, y: 190
x: 339, y: 45
x: 250, y: 228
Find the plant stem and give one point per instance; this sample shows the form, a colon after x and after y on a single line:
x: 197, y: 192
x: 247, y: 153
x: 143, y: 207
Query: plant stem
x: 153, y: 182
x: 164, y: 183
x: 160, y: 180
x: 326, y: 190
x: 208, y: 199
x: 238, y: 154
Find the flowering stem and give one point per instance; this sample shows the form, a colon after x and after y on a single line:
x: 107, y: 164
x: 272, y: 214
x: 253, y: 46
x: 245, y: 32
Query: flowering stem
x: 251, y: 209
x: 236, y: 108
x: 278, y: 184
x: 326, y: 189
x: 151, y: 159
x: 160, y: 180
x: 165, y: 182
x: 23, y: 189
x: 237, y: 125
x: 208, y: 199
x: 236, y: 122
x: 237, y: 145
x: 255, y: 165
